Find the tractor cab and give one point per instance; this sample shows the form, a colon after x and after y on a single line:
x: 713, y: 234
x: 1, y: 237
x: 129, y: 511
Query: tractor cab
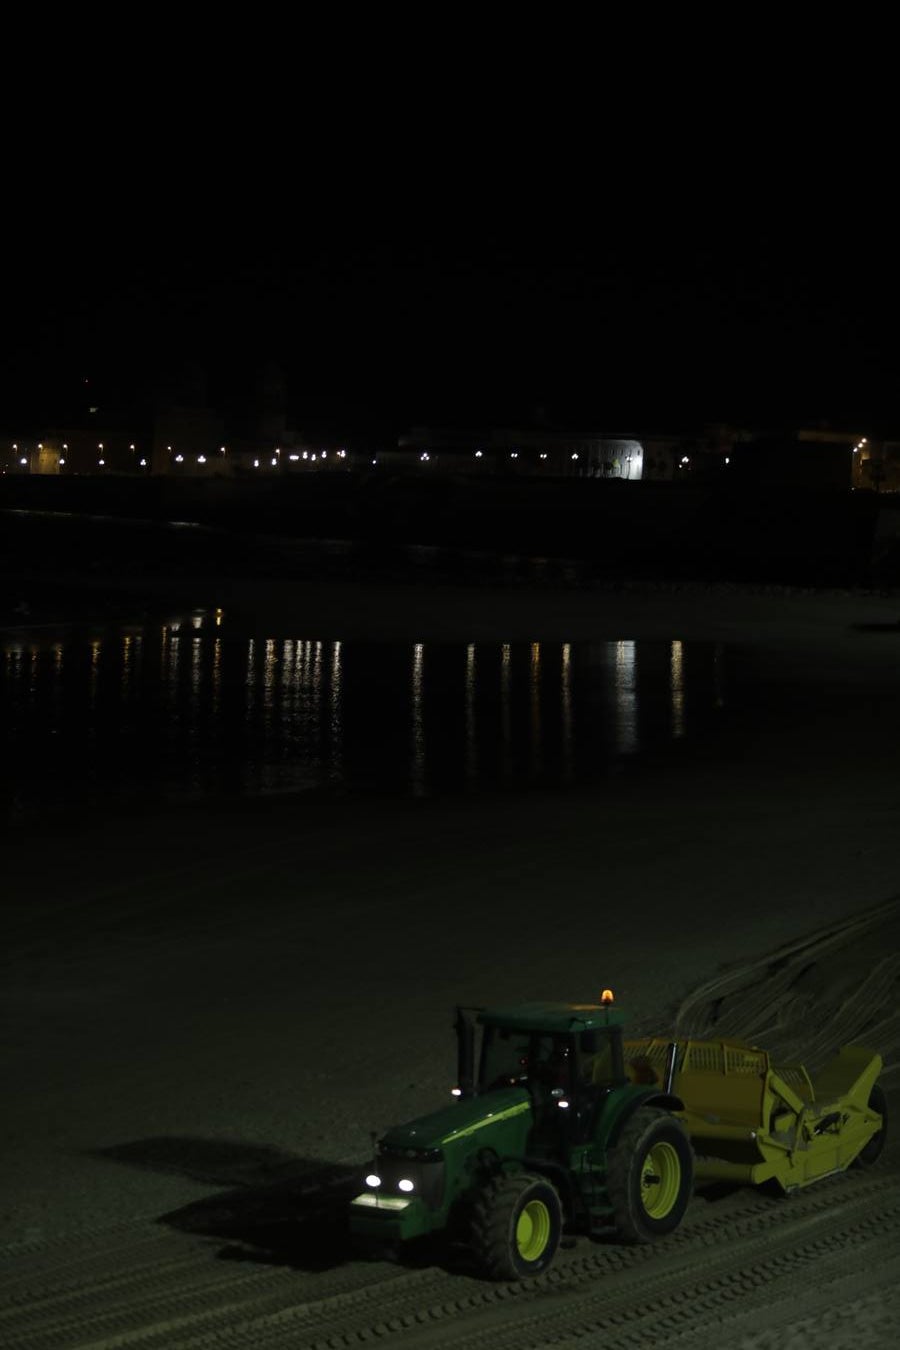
x: 566, y: 1056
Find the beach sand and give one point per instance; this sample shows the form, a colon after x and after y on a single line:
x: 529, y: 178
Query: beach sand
x: 201, y: 999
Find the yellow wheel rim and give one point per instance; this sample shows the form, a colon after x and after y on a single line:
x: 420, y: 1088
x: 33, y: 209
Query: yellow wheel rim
x: 660, y: 1180
x: 533, y: 1230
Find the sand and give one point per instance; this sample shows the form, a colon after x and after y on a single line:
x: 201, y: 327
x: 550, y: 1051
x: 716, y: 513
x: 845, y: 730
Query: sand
x: 200, y: 999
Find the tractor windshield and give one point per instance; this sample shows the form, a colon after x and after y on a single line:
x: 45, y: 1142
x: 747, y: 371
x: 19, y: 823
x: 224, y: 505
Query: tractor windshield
x: 510, y: 1057
x: 559, y: 1062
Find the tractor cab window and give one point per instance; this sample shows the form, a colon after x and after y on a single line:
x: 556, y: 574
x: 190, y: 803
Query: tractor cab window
x: 538, y: 1060
x: 551, y: 1064
x: 600, y: 1059
x: 505, y: 1056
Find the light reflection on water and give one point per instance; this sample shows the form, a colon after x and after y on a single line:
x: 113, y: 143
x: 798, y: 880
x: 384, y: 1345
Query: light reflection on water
x: 188, y: 709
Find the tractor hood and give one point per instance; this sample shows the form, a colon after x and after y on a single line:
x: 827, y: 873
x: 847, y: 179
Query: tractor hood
x: 507, y: 1110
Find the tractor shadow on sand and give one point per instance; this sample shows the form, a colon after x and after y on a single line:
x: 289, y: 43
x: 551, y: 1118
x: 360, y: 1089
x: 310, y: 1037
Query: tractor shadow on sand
x: 273, y: 1207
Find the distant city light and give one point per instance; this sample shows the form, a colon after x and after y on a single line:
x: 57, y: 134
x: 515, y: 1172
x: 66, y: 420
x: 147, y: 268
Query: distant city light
x: 61, y: 463
x: 478, y: 454
x: 201, y: 459
x: 179, y: 459
x: 575, y: 455
x: 101, y: 462
x: 293, y: 457
x: 306, y: 454
x: 23, y: 460
x: 514, y: 454
x: 143, y: 464
x: 274, y: 460
x: 424, y: 456
x: 543, y: 454
x: 256, y: 464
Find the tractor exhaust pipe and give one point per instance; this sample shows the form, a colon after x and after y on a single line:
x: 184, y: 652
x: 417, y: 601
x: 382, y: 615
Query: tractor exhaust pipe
x: 669, y: 1072
x: 465, y: 1044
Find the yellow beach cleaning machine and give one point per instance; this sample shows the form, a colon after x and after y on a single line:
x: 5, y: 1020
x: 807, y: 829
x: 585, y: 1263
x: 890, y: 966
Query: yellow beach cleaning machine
x: 751, y: 1121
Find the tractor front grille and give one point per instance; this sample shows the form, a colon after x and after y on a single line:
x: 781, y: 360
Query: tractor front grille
x: 426, y: 1171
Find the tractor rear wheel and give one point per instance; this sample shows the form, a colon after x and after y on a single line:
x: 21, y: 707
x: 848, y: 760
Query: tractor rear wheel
x: 872, y: 1151
x: 516, y: 1226
x: 650, y: 1175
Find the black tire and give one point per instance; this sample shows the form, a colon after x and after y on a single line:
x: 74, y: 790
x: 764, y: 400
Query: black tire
x: 650, y: 1175
x: 872, y: 1151
x: 516, y: 1226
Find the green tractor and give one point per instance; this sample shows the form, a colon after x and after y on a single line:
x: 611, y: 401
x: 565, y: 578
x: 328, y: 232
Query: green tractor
x: 549, y: 1134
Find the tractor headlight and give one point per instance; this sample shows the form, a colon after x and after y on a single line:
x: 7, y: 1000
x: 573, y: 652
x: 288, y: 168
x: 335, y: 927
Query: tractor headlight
x: 373, y: 1180
x: 417, y: 1174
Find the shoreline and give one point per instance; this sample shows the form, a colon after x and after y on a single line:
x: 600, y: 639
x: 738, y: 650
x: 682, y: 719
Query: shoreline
x: 426, y: 607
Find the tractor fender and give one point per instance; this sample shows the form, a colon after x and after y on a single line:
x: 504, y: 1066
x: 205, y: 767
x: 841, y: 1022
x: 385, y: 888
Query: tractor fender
x: 666, y: 1101
x: 558, y: 1175
x: 493, y: 1165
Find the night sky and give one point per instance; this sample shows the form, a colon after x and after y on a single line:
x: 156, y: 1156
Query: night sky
x: 499, y: 290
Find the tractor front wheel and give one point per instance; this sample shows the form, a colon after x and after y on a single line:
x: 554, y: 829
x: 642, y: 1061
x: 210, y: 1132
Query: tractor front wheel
x: 516, y: 1226
x: 650, y: 1175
